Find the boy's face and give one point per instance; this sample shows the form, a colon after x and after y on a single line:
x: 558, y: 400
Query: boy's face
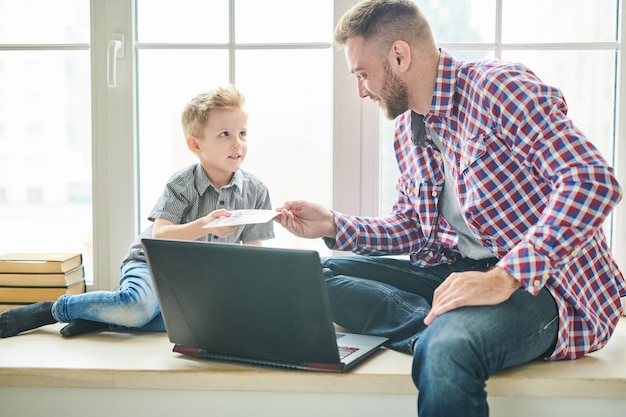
x: 223, y: 146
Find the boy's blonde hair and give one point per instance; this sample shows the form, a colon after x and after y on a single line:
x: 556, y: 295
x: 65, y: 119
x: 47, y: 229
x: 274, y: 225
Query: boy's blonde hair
x: 197, y: 111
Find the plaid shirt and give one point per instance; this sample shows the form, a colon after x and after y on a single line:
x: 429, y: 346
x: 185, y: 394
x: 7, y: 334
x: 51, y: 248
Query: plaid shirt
x: 532, y: 188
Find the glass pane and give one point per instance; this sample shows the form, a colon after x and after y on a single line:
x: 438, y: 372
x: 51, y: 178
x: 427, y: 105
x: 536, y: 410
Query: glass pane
x: 559, y: 21
x: 290, y: 126
x: 163, y: 92
x: 462, y: 21
x: 45, y: 152
x: 44, y: 21
x: 587, y: 80
x: 388, y: 166
x: 182, y: 21
x: 283, y: 21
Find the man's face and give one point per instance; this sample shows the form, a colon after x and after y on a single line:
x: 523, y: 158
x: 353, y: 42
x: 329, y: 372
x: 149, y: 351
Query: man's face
x: 376, y: 80
x: 394, y: 94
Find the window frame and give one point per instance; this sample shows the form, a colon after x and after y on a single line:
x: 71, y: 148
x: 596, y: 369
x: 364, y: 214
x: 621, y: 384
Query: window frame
x: 114, y: 155
x: 115, y: 139
x: 618, y: 239
x: 356, y: 161
x: 372, y: 139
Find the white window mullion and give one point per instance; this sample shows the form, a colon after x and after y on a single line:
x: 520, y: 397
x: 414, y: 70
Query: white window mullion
x: 498, y: 29
x: 356, y: 144
x: 619, y: 215
x: 114, y: 156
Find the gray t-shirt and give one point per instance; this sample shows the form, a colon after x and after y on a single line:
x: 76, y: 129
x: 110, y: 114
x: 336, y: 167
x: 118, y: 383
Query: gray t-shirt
x: 190, y: 195
x: 450, y: 209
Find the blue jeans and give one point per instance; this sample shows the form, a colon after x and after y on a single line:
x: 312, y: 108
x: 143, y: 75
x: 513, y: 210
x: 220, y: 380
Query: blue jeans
x: 461, y: 349
x: 133, y: 306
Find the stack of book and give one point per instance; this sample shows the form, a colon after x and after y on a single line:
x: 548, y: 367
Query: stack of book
x: 27, y: 278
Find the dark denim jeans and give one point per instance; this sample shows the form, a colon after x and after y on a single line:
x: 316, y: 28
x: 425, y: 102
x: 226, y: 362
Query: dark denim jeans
x: 460, y: 350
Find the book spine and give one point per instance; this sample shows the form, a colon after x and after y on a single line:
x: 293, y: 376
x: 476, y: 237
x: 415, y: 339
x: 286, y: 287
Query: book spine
x: 37, y: 294
x: 43, y: 279
x: 37, y: 265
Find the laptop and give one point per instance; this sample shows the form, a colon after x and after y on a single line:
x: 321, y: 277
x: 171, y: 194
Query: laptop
x: 251, y: 304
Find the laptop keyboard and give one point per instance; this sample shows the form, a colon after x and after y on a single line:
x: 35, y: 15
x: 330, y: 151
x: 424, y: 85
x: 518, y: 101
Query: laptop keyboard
x: 345, y: 351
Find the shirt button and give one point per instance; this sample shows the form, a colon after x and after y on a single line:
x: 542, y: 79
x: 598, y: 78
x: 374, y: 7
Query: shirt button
x: 546, y: 276
x: 434, y: 193
x: 575, y: 252
x: 537, y: 283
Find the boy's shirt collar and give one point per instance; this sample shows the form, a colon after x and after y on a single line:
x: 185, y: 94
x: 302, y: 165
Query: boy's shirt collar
x: 203, y: 182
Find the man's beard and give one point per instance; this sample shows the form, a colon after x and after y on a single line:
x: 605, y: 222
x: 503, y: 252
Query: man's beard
x: 394, y: 94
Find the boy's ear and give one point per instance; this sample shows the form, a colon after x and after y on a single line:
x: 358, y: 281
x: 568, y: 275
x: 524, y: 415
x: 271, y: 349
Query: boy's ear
x: 192, y: 144
x: 401, y: 55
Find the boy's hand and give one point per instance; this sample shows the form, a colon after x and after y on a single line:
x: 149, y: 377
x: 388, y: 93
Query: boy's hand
x: 219, y: 231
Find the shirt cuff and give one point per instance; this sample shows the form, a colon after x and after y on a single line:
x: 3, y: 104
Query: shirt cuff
x: 528, y: 266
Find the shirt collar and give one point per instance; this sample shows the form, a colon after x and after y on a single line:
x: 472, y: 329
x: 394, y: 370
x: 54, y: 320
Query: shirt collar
x: 202, y: 181
x: 443, y: 95
x: 442, y: 101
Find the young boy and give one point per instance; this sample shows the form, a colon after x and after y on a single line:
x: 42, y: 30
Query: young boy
x: 214, y: 124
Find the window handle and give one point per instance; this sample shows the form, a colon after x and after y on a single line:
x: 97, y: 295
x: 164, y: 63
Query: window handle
x: 113, y: 54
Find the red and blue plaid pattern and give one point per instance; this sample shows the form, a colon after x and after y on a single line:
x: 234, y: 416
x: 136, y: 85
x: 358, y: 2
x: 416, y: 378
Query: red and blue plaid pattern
x: 533, y: 190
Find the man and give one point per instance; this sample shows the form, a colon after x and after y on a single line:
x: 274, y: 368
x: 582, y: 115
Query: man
x: 500, y: 206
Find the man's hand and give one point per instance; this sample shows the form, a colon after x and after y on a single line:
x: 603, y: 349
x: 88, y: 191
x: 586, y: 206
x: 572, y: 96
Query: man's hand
x: 306, y: 219
x: 472, y: 288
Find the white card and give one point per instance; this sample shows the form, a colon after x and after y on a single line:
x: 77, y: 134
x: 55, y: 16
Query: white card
x: 244, y: 217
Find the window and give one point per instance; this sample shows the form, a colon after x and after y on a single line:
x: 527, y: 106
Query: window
x: 283, y: 66
x: 80, y: 159
x: 573, y: 45
x: 45, y: 128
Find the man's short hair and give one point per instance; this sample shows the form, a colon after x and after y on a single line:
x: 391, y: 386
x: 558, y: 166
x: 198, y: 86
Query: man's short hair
x: 383, y: 21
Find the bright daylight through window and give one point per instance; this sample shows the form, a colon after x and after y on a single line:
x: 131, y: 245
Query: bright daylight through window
x: 287, y: 67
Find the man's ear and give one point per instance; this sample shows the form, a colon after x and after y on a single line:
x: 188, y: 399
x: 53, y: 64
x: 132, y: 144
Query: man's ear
x: 401, y: 55
x: 192, y: 144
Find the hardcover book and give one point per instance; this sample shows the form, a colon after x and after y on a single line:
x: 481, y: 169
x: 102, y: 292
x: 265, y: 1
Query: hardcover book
x: 43, y: 279
x: 27, y: 295
x: 39, y: 262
